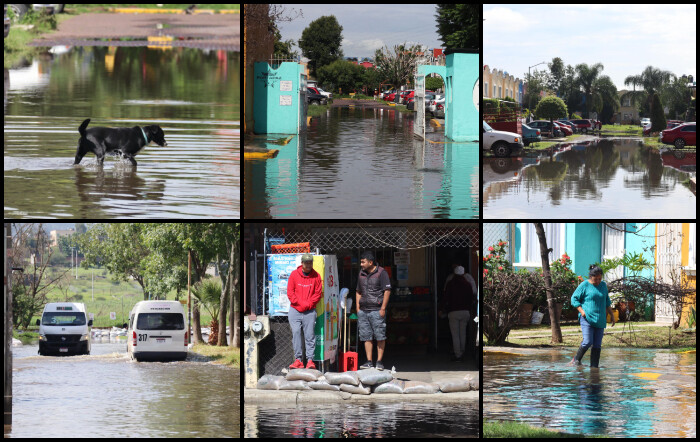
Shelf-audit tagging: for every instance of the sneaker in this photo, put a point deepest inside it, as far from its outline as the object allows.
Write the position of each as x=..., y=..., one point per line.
x=310, y=364
x=367, y=364
x=297, y=364
x=379, y=365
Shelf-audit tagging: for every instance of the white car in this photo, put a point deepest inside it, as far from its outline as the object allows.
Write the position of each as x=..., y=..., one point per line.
x=501, y=143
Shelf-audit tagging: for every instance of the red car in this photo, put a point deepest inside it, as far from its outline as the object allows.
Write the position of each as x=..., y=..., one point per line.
x=680, y=136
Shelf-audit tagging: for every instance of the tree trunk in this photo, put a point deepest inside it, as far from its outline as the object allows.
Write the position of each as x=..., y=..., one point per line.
x=544, y=254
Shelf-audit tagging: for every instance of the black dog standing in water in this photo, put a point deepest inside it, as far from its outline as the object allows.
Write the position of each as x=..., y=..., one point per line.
x=127, y=140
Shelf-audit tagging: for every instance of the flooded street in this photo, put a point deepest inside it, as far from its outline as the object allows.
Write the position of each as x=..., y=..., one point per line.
x=193, y=95
x=105, y=394
x=355, y=162
x=601, y=178
x=635, y=393
x=363, y=420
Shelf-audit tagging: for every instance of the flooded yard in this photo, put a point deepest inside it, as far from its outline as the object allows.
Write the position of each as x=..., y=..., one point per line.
x=363, y=163
x=605, y=177
x=635, y=393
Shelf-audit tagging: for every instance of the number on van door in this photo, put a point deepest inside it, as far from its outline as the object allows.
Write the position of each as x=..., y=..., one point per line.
x=143, y=337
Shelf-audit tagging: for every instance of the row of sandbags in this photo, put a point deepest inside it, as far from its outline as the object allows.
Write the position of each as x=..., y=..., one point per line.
x=361, y=382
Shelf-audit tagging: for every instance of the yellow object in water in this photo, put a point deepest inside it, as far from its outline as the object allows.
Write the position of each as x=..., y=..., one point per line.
x=502, y=353
x=260, y=155
x=648, y=376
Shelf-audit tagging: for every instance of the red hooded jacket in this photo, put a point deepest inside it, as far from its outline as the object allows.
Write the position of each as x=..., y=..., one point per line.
x=304, y=291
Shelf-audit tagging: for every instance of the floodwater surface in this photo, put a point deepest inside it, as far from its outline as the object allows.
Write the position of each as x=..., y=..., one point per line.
x=618, y=178
x=192, y=95
x=364, y=163
x=357, y=420
x=106, y=394
x=634, y=393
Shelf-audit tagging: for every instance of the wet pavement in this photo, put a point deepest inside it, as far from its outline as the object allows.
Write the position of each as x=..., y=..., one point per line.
x=634, y=393
x=598, y=177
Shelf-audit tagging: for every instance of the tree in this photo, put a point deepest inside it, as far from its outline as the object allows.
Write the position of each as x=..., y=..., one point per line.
x=551, y=108
x=458, y=25
x=320, y=42
x=397, y=68
x=544, y=254
x=658, y=119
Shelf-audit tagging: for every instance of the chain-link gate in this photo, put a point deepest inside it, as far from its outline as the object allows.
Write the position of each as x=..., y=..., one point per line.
x=419, y=106
x=348, y=239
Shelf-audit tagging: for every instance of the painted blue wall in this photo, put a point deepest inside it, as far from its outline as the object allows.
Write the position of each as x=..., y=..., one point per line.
x=583, y=245
x=277, y=111
x=462, y=115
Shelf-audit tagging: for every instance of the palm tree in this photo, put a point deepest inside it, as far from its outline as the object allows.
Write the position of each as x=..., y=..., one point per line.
x=586, y=77
x=651, y=80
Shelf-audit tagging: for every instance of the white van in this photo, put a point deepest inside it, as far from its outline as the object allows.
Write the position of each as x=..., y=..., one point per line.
x=156, y=331
x=64, y=329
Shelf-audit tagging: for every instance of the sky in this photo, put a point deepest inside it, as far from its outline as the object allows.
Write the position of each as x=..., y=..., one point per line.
x=624, y=38
x=368, y=27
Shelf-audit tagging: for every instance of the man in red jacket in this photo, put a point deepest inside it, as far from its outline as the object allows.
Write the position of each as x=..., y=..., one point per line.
x=304, y=289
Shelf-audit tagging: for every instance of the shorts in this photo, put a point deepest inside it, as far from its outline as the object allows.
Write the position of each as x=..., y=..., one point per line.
x=371, y=325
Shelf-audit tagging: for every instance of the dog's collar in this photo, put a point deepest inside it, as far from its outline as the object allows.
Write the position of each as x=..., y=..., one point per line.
x=144, y=134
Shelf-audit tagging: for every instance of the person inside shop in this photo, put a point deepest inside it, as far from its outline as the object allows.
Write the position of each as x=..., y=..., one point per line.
x=372, y=296
x=304, y=289
x=459, y=301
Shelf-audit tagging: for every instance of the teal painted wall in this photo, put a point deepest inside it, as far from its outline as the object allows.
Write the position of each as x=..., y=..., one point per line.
x=277, y=111
x=462, y=115
x=583, y=245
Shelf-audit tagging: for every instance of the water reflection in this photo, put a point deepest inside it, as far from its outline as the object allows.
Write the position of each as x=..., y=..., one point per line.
x=403, y=419
x=604, y=177
x=105, y=394
x=193, y=95
x=635, y=392
x=363, y=163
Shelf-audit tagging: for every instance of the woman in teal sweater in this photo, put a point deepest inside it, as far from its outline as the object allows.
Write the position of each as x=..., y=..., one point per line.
x=592, y=301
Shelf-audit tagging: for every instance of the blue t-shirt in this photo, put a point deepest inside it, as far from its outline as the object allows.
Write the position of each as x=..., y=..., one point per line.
x=594, y=300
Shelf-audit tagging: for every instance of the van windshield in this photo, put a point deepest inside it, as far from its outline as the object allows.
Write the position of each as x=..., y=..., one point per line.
x=63, y=318
x=160, y=321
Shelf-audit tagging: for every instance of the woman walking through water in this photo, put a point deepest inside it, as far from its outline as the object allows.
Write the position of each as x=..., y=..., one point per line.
x=592, y=301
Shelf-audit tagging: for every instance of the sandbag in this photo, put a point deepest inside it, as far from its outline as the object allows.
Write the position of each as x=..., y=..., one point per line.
x=455, y=385
x=356, y=389
x=394, y=386
x=349, y=377
x=303, y=374
x=474, y=383
x=373, y=376
x=322, y=384
x=295, y=385
x=412, y=387
x=270, y=382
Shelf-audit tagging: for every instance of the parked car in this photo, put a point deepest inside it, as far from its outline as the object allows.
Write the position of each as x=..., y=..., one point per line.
x=502, y=144
x=680, y=136
x=545, y=127
x=314, y=98
x=583, y=125
x=530, y=135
